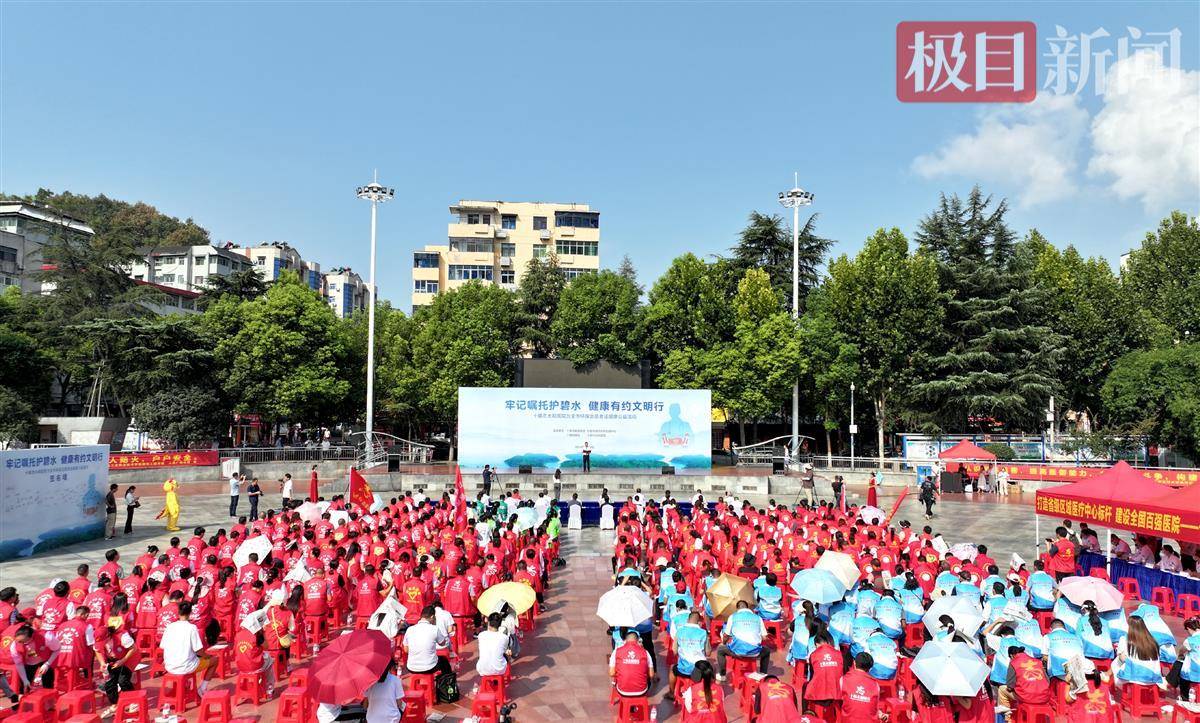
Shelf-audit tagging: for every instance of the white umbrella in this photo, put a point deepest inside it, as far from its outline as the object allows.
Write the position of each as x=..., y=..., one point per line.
x=260, y=545
x=949, y=668
x=309, y=512
x=338, y=516
x=841, y=565
x=966, y=615
x=625, y=606
x=964, y=551
x=526, y=518
x=871, y=515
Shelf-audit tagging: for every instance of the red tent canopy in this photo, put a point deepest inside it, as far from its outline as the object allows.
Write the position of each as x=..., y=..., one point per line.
x=966, y=449
x=1123, y=498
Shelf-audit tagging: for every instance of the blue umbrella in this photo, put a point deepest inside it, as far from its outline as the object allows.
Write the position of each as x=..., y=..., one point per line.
x=819, y=586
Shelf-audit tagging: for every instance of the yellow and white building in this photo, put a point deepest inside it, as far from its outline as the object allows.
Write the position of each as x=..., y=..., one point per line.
x=494, y=241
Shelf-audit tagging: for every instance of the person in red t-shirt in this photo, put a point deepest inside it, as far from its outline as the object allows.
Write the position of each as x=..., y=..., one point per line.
x=1027, y=681
x=826, y=664
x=629, y=666
x=860, y=692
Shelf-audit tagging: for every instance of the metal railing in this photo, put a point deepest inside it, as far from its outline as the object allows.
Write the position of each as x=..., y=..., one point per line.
x=384, y=446
x=262, y=455
x=767, y=451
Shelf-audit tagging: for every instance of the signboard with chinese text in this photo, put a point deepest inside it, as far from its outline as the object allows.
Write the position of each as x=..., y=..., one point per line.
x=153, y=460
x=51, y=497
x=547, y=428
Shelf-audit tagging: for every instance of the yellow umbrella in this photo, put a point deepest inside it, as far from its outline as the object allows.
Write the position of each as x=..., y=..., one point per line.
x=725, y=592
x=517, y=594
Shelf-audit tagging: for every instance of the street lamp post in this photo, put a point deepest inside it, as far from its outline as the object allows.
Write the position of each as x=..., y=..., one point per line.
x=376, y=194
x=794, y=199
x=853, y=426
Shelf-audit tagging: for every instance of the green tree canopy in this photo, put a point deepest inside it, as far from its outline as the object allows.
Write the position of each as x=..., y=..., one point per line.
x=766, y=243
x=1162, y=281
x=688, y=307
x=538, y=296
x=597, y=319
x=1157, y=393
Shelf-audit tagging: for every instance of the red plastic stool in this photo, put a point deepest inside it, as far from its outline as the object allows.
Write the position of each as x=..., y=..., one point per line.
x=1043, y=618
x=746, y=699
x=68, y=679
x=1164, y=599
x=1035, y=713
x=904, y=674
x=1129, y=586
x=714, y=632
x=914, y=635
x=178, y=690
x=423, y=682
x=1187, y=605
x=1099, y=573
x=82, y=718
x=633, y=709
x=897, y=710
x=682, y=682
x=133, y=706
x=24, y=718
x=216, y=707
x=494, y=684
x=1182, y=715
x=462, y=632
x=293, y=706
x=888, y=689
x=40, y=701
x=414, y=707
x=315, y=629
x=1140, y=700
x=250, y=687
x=774, y=632
x=738, y=667
x=75, y=703
x=299, y=678
x=485, y=708
x=223, y=656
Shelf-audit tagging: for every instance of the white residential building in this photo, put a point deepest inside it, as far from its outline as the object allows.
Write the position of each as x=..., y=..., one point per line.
x=189, y=268
x=345, y=292
x=24, y=230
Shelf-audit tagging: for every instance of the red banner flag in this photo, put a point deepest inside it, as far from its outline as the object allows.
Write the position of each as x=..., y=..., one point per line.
x=896, y=506
x=460, y=500
x=360, y=491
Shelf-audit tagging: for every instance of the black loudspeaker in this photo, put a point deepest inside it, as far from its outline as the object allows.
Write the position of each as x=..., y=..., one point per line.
x=951, y=482
x=777, y=466
x=525, y=469
x=668, y=469
x=393, y=463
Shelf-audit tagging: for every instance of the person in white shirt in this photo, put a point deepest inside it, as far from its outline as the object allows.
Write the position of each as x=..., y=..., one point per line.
x=385, y=699
x=445, y=624
x=542, y=506
x=1168, y=561
x=421, y=642
x=493, y=648
x=235, y=492
x=285, y=490
x=183, y=649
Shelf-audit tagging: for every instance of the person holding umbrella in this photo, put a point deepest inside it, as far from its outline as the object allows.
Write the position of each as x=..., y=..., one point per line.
x=385, y=699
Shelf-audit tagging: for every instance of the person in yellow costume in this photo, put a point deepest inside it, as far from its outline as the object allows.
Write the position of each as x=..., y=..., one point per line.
x=171, y=507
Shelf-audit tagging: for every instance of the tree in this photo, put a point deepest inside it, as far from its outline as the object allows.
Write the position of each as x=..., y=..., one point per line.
x=997, y=358
x=1162, y=281
x=241, y=285
x=1083, y=303
x=886, y=304
x=597, y=320
x=278, y=354
x=25, y=374
x=828, y=366
x=766, y=243
x=467, y=338
x=1157, y=393
x=626, y=270
x=538, y=295
x=688, y=307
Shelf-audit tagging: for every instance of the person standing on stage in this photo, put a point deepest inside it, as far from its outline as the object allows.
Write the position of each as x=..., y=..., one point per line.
x=587, y=457
x=487, y=479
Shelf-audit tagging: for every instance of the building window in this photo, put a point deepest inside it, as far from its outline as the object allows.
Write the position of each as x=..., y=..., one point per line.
x=508, y=221
x=508, y=249
x=541, y=251
x=570, y=247
x=425, y=260
x=424, y=286
x=466, y=272
x=471, y=244
x=199, y=281
x=475, y=219
x=569, y=274
x=167, y=278
x=577, y=219
x=188, y=304
x=201, y=259
x=222, y=261
x=8, y=254
x=260, y=261
x=508, y=276
x=539, y=223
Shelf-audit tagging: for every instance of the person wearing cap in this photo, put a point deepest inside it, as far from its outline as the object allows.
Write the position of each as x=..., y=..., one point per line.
x=808, y=485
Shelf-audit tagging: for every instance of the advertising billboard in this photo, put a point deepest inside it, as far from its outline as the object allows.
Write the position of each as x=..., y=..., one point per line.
x=625, y=429
x=51, y=497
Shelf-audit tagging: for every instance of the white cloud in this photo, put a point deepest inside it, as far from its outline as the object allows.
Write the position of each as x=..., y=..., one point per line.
x=1032, y=148
x=1146, y=138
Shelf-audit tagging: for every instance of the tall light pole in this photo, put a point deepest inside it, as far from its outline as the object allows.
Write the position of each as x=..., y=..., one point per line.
x=853, y=426
x=794, y=199
x=376, y=194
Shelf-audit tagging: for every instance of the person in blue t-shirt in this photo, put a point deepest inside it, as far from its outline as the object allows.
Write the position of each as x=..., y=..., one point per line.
x=1093, y=633
x=865, y=601
x=1062, y=644
x=770, y=598
x=884, y=654
x=1189, y=657
x=743, y=636
x=964, y=588
x=1000, y=637
x=944, y=583
x=678, y=615
x=913, y=600
x=860, y=630
x=890, y=614
x=1029, y=636
x=841, y=624
x=1042, y=588
x=691, y=646
x=993, y=606
x=801, y=644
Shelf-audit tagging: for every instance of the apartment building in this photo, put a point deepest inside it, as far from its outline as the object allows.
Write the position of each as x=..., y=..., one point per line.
x=272, y=258
x=187, y=268
x=345, y=292
x=24, y=229
x=494, y=241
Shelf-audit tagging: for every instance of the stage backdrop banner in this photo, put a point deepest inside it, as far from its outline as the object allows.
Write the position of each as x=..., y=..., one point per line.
x=51, y=497
x=547, y=428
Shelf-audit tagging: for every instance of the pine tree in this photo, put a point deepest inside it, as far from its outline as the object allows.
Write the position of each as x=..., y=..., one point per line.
x=997, y=357
x=766, y=243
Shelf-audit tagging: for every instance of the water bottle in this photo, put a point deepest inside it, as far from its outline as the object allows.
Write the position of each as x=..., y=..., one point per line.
x=474, y=690
x=654, y=713
x=315, y=649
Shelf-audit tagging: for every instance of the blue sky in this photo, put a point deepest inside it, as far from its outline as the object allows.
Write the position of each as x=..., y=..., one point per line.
x=674, y=120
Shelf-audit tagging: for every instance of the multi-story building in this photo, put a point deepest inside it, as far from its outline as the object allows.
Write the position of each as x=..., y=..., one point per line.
x=24, y=229
x=188, y=268
x=494, y=241
x=345, y=292
x=272, y=258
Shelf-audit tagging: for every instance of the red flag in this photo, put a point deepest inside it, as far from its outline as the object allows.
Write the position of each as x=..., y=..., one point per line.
x=460, y=500
x=360, y=491
x=896, y=507
x=842, y=499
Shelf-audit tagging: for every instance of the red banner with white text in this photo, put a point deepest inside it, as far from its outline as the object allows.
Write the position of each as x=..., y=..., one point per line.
x=154, y=460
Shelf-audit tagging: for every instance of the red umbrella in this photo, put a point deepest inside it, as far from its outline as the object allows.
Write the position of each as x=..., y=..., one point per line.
x=342, y=672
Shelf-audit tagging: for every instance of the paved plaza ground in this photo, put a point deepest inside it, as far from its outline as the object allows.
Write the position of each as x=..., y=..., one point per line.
x=562, y=672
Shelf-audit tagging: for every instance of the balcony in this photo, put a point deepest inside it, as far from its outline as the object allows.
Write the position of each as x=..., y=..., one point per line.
x=501, y=232
x=544, y=234
x=478, y=230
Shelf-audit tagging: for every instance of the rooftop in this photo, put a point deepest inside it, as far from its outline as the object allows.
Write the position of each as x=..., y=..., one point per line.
x=44, y=213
